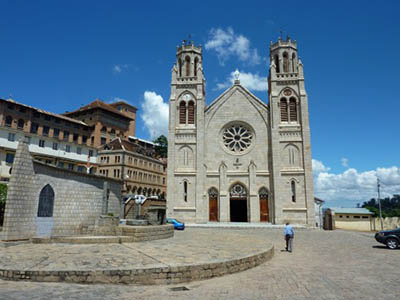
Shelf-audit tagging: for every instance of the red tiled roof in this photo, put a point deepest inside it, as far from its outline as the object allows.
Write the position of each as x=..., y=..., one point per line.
x=98, y=104
x=46, y=112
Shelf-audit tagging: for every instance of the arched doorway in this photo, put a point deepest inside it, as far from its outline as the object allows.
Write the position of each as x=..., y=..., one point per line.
x=264, y=209
x=213, y=204
x=238, y=203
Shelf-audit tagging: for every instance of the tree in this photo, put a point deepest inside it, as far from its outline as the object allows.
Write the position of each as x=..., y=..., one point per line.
x=3, y=197
x=161, y=146
x=390, y=206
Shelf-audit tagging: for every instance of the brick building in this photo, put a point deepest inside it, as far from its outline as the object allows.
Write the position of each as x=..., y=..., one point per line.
x=53, y=138
x=135, y=162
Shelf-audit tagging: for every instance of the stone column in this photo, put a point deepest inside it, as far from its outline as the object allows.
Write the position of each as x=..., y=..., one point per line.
x=106, y=195
x=223, y=205
x=254, y=203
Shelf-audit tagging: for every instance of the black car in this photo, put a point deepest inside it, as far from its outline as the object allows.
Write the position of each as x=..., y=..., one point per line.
x=391, y=238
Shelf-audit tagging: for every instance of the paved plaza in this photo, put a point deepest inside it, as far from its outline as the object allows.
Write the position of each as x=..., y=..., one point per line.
x=324, y=265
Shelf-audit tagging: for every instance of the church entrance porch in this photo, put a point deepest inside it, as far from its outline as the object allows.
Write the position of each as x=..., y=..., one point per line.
x=238, y=210
x=238, y=203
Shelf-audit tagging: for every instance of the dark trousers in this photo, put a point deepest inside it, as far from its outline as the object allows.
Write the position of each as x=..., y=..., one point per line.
x=289, y=242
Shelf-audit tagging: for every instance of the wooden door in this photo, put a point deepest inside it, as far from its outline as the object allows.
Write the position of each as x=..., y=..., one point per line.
x=264, y=211
x=213, y=208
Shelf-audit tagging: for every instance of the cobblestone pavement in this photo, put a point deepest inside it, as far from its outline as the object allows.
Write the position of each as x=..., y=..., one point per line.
x=324, y=265
x=193, y=246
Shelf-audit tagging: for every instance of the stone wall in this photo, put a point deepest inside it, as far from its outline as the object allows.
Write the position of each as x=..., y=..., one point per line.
x=388, y=223
x=79, y=199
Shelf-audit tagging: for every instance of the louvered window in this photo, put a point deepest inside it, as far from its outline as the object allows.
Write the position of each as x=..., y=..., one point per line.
x=182, y=113
x=191, y=113
x=284, y=111
x=293, y=110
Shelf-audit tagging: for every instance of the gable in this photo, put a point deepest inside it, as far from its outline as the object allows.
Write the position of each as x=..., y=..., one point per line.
x=233, y=97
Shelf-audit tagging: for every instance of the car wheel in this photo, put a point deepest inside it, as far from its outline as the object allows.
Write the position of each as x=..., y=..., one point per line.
x=392, y=243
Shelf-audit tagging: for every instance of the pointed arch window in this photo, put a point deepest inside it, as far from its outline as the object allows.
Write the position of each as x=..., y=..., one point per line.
x=180, y=67
x=191, y=110
x=196, y=62
x=182, y=113
x=276, y=60
x=284, y=110
x=187, y=63
x=293, y=110
x=46, y=202
x=294, y=69
x=285, y=64
x=293, y=190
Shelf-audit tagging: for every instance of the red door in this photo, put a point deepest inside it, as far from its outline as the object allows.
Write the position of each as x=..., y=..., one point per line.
x=264, y=211
x=213, y=208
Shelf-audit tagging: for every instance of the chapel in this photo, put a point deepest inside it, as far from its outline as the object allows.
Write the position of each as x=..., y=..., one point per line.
x=240, y=159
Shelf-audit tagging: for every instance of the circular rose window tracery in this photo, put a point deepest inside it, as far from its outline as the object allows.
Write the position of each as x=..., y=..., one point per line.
x=237, y=138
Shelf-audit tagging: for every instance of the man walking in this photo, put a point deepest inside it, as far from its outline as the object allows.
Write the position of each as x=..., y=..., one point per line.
x=289, y=235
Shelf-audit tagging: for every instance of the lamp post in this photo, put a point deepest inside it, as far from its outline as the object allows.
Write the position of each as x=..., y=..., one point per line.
x=379, y=203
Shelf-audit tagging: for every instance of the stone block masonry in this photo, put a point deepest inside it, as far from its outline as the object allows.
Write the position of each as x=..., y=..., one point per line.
x=73, y=201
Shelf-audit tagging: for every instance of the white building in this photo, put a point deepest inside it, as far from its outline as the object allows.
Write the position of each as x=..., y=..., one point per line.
x=240, y=159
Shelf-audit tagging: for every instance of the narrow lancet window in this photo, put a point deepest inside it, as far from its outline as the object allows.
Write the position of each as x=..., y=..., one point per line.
x=284, y=111
x=191, y=112
x=293, y=110
x=182, y=113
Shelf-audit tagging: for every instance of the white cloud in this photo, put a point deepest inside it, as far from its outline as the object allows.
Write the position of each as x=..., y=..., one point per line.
x=353, y=185
x=119, y=68
x=318, y=167
x=253, y=82
x=226, y=43
x=345, y=162
x=155, y=114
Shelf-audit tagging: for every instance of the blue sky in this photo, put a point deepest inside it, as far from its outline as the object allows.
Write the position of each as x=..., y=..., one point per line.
x=58, y=55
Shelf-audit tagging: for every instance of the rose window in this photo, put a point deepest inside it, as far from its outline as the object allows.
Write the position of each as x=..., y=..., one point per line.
x=237, y=138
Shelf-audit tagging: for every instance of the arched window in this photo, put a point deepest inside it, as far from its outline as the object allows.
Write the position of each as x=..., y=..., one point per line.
x=9, y=120
x=187, y=64
x=294, y=69
x=185, y=190
x=284, y=110
x=293, y=189
x=182, y=113
x=276, y=60
x=180, y=67
x=293, y=110
x=285, y=63
x=196, y=62
x=112, y=131
x=46, y=202
x=21, y=123
x=104, y=129
x=191, y=112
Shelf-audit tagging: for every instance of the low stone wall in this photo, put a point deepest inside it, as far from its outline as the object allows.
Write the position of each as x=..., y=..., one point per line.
x=162, y=275
x=147, y=233
x=388, y=223
x=117, y=234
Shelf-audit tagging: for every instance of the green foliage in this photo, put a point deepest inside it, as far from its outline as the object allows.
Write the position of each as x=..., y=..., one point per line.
x=110, y=214
x=162, y=146
x=390, y=206
x=3, y=197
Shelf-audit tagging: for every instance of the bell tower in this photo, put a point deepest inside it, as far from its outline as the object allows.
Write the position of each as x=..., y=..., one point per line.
x=290, y=135
x=186, y=130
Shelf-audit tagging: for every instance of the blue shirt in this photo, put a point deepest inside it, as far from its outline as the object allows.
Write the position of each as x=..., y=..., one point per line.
x=289, y=230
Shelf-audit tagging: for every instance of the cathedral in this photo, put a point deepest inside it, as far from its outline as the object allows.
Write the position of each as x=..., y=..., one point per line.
x=239, y=159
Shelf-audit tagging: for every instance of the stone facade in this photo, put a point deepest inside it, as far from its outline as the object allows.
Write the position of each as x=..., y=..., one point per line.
x=68, y=200
x=240, y=159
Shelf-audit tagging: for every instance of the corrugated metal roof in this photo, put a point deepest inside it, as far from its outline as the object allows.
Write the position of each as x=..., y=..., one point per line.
x=350, y=210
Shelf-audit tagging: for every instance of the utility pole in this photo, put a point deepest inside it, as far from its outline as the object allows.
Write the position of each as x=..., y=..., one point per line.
x=379, y=202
